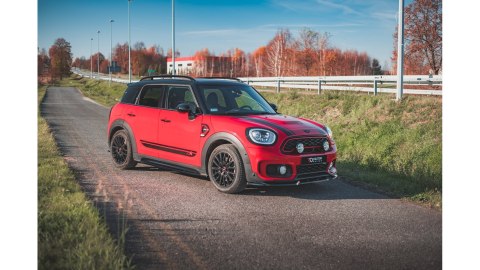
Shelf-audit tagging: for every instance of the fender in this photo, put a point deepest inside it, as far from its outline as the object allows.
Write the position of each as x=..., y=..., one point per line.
x=124, y=125
x=224, y=136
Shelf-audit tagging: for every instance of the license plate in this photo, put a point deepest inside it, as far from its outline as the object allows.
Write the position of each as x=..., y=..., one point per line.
x=314, y=160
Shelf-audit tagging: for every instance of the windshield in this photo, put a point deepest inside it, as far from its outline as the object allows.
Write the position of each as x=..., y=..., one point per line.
x=233, y=99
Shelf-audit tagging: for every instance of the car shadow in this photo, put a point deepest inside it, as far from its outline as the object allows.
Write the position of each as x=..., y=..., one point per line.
x=336, y=189
x=330, y=190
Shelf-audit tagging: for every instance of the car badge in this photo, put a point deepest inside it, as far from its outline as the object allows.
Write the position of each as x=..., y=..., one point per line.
x=300, y=148
x=306, y=130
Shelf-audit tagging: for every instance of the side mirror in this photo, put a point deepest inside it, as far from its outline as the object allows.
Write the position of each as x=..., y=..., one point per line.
x=183, y=107
x=187, y=107
x=274, y=107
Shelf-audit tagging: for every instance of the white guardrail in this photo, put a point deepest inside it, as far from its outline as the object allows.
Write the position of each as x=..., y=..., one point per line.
x=371, y=84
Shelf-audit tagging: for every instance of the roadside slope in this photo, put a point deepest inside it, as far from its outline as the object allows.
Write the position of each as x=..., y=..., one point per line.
x=71, y=233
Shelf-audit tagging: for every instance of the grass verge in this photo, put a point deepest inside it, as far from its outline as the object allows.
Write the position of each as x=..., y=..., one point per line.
x=394, y=148
x=71, y=234
x=382, y=144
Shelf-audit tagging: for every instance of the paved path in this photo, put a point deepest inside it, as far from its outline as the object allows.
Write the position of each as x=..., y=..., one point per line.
x=182, y=222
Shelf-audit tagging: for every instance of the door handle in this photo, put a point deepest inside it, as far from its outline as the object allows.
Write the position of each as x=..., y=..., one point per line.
x=131, y=114
x=166, y=120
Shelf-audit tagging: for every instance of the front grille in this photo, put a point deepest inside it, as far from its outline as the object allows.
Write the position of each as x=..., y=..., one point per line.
x=311, y=171
x=312, y=145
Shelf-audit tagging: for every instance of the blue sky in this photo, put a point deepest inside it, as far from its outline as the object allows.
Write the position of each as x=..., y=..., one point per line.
x=364, y=25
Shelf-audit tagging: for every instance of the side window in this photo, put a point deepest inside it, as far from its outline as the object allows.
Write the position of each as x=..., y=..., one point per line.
x=177, y=95
x=130, y=95
x=151, y=96
x=215, y=100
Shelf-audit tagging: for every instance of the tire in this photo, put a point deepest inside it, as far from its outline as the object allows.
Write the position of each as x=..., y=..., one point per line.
x=225, y=169
x=121, y=150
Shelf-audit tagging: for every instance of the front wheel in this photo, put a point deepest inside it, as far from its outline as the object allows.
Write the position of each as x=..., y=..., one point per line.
x=225, y=169
x=121, y=149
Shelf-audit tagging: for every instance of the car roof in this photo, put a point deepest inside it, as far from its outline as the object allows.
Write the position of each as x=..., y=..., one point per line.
x=187, y=80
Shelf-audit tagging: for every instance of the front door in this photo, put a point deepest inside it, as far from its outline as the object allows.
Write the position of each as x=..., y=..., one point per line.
x=179, y=132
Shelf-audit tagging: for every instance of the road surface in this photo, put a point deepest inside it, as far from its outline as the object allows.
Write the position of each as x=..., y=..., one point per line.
x=177, y=221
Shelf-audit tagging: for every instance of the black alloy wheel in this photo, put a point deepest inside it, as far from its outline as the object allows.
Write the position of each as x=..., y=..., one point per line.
x=121, y=150
x=225, y=169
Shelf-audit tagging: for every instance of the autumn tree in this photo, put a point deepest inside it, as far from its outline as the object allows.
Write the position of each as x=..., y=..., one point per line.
x=423, y=29
x=258, y=60
x=307, y=46
x=376, y=68
x=60, y=58
x=277, y=53
x=99, y=59
x=423, y=37
x=43, y=63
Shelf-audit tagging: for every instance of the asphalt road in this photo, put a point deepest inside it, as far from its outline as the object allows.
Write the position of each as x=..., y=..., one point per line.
x=177, y=221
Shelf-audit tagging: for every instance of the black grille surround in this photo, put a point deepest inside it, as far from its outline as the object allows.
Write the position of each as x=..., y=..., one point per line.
x=311, y=172
x=312, y=145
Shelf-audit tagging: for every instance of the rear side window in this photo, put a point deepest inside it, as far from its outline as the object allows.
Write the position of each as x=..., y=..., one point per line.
x=151, y=96
x=130, y=95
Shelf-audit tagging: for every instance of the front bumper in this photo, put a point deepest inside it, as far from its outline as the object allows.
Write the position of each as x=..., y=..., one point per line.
x=299, y=171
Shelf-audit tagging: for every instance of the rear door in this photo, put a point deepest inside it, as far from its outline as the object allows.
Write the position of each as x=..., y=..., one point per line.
x=143, y=118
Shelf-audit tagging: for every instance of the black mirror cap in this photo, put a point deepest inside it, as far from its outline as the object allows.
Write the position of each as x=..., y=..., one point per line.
x=183, y=107
x=274, y=106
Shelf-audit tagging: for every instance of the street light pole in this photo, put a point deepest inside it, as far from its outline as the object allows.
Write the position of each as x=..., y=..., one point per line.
x=91, y=59
x=129, y=55
x=400, y=51
x=111, y=37
x=173, y=37
x=98, y=54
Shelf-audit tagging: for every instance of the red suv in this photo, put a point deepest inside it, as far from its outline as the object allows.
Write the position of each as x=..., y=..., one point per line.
x=217, y=127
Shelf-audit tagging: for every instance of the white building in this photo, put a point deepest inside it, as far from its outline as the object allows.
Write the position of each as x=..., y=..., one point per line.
x=183, y=65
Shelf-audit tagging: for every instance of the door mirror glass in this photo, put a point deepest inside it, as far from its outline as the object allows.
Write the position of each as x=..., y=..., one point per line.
x=183, y=107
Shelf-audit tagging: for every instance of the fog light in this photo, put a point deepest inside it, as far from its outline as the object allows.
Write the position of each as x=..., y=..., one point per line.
x=282, y=169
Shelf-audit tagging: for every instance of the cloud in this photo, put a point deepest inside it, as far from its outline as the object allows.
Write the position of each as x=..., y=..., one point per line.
x=385, y=15
x=345, y=8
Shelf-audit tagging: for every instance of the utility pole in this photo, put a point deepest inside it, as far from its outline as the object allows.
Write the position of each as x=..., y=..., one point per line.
x=173, y=37
x=400, y=51
x=98, y=54
x=111, y=37
x=91, y=58
x=129, y=41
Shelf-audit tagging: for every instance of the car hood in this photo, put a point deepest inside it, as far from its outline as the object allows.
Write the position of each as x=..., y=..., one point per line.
x=289, y=125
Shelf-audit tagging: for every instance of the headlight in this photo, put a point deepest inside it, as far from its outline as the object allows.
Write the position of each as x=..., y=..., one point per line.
x=329, y=131
x=262, y=136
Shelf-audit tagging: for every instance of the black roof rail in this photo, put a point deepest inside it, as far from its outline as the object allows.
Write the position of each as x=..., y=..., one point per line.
x=167, y=76
x=225, y=78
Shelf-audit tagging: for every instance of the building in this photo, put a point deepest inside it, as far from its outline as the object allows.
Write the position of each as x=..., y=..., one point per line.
x=183, y=65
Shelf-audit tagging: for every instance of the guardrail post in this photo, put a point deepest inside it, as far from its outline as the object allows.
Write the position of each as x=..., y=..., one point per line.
x=278, y=86
x=319, y=86
x=375, y=88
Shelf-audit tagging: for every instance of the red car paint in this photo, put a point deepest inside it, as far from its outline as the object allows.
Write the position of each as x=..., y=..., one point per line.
x=184, y=140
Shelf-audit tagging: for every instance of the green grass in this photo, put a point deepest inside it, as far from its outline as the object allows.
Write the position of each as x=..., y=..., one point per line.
x=98, y=90
x=71, y=234
x=388, y=146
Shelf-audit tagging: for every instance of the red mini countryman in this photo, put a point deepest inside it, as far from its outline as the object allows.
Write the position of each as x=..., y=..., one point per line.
x=217, y=127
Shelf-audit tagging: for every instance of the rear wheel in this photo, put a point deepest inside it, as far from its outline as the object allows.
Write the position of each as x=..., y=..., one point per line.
x=121, y=149
x=225, y=169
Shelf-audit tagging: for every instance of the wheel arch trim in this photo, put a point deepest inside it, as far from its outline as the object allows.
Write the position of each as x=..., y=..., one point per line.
x=121, y=124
